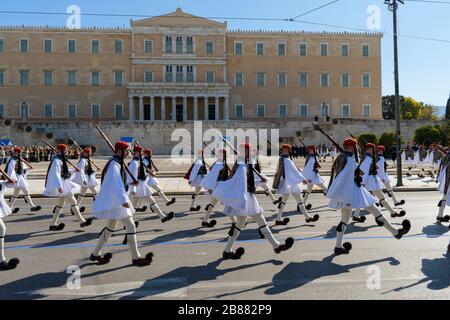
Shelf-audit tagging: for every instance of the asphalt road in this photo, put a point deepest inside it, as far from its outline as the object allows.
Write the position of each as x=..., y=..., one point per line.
x=187, y=262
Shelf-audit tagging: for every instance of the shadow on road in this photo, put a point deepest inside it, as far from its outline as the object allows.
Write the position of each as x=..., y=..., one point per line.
x=434, y=230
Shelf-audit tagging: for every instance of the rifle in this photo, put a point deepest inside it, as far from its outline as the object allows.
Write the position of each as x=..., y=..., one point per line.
x=317, y=127
x=114, y=150
x=81, y=150
x=6, y=176
x=56, y=152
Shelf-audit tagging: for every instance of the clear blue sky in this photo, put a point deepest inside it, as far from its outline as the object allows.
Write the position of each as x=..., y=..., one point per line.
x=424, y=65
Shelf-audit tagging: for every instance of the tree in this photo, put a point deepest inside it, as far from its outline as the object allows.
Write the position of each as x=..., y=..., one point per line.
x=410, y=109
x=367, y=137
x=427, y=113
x=427, y=135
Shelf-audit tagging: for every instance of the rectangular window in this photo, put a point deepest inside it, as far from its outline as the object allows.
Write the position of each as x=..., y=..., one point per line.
x=260, y=79
x=261, y=110
x=2, y=45
x=148, y=76
x=239, y=110
x=303, y=49
x=169, y=74
x=366, y=110
x=179, y=45
x=95, y=111
x=189, y=45
x=344, y=50
x=118, y=46
x=282, y=110
x=118, y=111
x=2, y=111
x=148, y=46
x=303, y=79
x=95, y=46
x=24, y=77
x=24, y=110
x=324, y=110
x=71, y=46
x=72, y=78
x=366, y=80
x=238, y=48
x=282, y=49
x=2, y=78
x=179, y=74
x=260, y=49
x=324, y=79
x=48, y=45
x=48, y=110
x=345, y=110
x=282, y=79
x=345, y=80
x=72, y=112
x=324, y=49
x=95, y=78
x=48, y=77
x=23, y=45
x=118, y=78
x=209, y=47
x=238, y=79
x=365, y=50
x=169, y=44
x=210, y=76
x=304, y=110
x=190, y=74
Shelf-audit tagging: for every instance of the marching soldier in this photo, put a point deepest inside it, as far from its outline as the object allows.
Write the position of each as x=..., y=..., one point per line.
x=58, y=184
x=263, y=183
x=436, y=157
x=17, y=170
x=114, y=205
x=311, y=173
x=408, y=159
x=443, y=187
x=85, y=177
x=196, y=173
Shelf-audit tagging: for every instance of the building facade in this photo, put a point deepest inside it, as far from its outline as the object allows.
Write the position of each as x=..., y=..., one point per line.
x=178, y=67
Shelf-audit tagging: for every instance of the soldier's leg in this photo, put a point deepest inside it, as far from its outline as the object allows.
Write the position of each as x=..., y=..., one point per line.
x=13, y=198
x=442, y=204
x=281, y=206
x=81, y=195
x=76, y=211
x=383, y=222
x=209, y=208
x=194, y=206
x=105, y=234
x=27, y=198
x=308, y=191
x=302, y=209
x=5, y=264
x=379, y=194
x=268, y=192
x=234, y=232
x=342, y=248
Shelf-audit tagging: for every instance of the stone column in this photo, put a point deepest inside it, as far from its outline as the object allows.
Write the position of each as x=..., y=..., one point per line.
x=185, y=107
x=216, y=103
x=226, y=111
x=131, y=108
x=163, y=108
x=195, y=108
x=206, y=113
x=152, y=108
x=174, y=108
x=141, y=108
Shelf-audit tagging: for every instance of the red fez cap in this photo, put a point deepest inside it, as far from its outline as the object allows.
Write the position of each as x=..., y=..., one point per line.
x=286, y=146
x=121, y=145
x=350, y=142
x=61, y=147
x=381, y=148
x=87, y=150
x=18, y=149
x=148, y=151
x=137, y=149
x=370, y=145
x=311, y=147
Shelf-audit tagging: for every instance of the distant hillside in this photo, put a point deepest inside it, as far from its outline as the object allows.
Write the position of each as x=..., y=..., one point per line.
x=440, y=111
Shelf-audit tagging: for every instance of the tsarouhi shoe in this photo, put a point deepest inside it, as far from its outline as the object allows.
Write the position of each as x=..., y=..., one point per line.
x=445, y=218
x=197, y=208
x=283, y=222
x=398, y=215
x=312, y=219
x=82, y=209
x=88, y=222
x=101, y=259
x=406, y=227
x=172, y=201
x=402, y=202
x=347, y=246
x=59, y=227
x=9, y=265
x=209, y=224
x=143, y=209
x=286, y=246
x=144, y=261
x=37, y=208
x=233, y=255
x=308, y=206
x=359, y=219
x=15, y=210
x=168, y=217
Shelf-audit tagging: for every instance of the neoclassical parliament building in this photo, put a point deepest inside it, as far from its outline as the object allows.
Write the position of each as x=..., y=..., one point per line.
x=179, y=67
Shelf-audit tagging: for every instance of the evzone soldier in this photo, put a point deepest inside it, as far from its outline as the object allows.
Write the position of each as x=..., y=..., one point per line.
x=114, y=205
x=196, y=173
x=443, y=187
x=286, y=181
x=311, y=173
x=333, y=153
x=141, y=192
x=238, y=196
x=58, y=184
x=383, y=175
x=263, y=183
x=323, y=152
x=85, y=177
x=5, y=211
x=151, y=174
x=435, y=159
x=372, y=182
x=422, y=160
x=408, y=159
x=219, y=172
x=17, y=169
x=346, y=193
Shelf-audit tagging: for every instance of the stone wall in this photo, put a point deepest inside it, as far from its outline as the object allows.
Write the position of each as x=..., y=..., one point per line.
x=158, y=134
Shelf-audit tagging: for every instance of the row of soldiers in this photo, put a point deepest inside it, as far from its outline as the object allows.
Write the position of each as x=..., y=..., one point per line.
x=425, y=159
